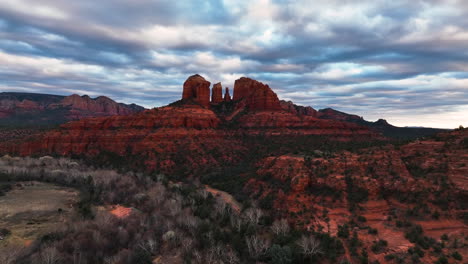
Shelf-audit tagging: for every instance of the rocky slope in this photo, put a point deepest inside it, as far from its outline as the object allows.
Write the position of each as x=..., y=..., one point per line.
x=381, y=193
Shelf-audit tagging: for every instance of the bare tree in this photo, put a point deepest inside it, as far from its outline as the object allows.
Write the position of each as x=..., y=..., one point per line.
x=197, y=257
x=187, y=245
x=149, y=245
x=280, y=227
x=231, y=257
x=253, y=215
x=309, y=245
x=257, y=246
x=111, y=260
x=236, y=222
x=9, y=254
x=220, y=207
x=50, y=255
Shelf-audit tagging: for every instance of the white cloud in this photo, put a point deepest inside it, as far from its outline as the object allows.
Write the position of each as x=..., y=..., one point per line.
x=34, y=8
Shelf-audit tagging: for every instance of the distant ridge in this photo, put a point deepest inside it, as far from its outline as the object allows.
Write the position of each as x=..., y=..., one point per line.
x=35, y=109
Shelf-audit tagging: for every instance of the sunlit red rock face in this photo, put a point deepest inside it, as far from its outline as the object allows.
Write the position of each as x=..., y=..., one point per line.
x=410, y=183
x=197, y=89
x=217, y=94
x=101, y=105
x=159, y=139
x=256, y=95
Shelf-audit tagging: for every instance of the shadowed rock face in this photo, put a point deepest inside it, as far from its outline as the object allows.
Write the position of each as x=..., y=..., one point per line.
x=227, y=96
x=217, y=94
x=197, y=89
x=257, y=95
x=298, y=109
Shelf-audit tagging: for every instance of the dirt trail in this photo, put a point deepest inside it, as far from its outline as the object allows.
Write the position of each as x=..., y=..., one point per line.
x=226, y=197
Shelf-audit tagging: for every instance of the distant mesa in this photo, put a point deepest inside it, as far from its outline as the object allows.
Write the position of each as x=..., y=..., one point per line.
x=31, y=109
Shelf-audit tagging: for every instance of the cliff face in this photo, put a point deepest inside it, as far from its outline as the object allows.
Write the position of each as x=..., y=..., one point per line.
x=217, y=94
x=101, y=106
x=197, y=89
x=256, y=95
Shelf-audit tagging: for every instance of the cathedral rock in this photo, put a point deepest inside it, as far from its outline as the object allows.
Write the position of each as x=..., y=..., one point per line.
x=197, y=89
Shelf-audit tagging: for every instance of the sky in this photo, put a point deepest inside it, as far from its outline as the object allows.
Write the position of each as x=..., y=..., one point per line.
x=404, y=61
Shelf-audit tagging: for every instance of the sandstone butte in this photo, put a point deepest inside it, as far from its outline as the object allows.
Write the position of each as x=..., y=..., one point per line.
x=197, y=89
x=192, y=124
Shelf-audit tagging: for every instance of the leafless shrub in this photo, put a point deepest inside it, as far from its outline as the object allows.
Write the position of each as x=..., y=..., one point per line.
x=231, y=257
x=149, y=245
x=309, y=245
x=280, y=227
x=50, y=255
x=221, y=207
x=187, y=245
x=257, y=246
x=253, y=215
x=111, y=260
x=236, y=222
x=9, y=254
x=203, y=193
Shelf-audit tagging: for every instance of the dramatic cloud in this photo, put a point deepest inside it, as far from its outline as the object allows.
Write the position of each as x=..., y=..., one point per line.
x=405, y=61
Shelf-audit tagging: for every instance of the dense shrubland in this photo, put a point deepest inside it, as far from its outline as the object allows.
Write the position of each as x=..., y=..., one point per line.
x=169, y=220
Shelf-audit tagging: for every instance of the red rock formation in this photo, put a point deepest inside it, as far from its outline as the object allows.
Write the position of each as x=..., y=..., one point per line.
x=298, y=109
x=217, y=94
x=197, y=89
x=100, y=106
x=146, y=132
x=399, y=181
x=256, y=95
x=329, y=113
x=58, y=109
x=227, y=96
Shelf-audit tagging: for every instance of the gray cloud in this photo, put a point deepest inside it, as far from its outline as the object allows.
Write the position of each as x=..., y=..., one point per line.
x=396, y=59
